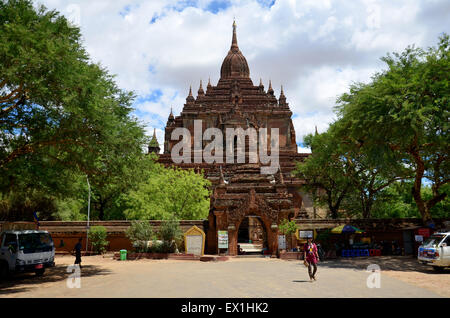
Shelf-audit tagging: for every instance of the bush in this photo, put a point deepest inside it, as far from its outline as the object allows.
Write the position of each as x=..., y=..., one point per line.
x=97, y=237
x=171, y=235
x=287, y=227
x=139, y=233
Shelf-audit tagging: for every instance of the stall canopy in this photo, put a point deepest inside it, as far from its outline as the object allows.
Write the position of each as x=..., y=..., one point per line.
x=346, y=229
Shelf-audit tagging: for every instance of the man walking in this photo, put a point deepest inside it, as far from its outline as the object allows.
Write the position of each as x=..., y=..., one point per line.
x=311, y=257
x=77, y=250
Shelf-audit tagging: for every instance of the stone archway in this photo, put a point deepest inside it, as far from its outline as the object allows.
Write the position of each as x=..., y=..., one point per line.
x=253, y=205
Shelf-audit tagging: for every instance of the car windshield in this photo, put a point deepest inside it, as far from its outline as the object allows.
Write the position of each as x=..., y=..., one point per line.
x=433, y=240
x=35, y=242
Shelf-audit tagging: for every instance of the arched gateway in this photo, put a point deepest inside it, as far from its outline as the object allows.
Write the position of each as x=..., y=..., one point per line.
x=240, y=189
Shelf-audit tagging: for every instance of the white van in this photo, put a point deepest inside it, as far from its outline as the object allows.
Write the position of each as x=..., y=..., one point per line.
x=26, y=251
x=435, y=251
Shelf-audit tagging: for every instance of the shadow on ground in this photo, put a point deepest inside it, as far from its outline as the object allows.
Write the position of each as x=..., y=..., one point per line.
x=391, y=263
x=17, y=283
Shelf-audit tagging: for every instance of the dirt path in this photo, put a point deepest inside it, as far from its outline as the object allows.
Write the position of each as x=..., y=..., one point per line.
x=254, y=278
x=406, y=269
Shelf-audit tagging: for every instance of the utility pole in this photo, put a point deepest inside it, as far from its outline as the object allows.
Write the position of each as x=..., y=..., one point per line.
x=89, y=210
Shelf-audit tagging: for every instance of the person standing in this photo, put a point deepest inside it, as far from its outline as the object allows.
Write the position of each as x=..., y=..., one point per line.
x=311, y=257
x=77, y=250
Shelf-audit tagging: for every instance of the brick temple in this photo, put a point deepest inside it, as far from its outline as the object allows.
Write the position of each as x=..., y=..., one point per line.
x=244, y=202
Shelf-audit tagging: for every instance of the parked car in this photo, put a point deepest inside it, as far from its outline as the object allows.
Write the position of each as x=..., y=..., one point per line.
x=435, y=251
x=26, y=251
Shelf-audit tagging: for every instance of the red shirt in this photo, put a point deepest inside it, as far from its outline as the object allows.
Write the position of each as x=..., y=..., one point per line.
x=311, y=251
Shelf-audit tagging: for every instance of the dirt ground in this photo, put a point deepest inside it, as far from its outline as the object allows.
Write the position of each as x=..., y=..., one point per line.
x=406, y=269
x=238, y=277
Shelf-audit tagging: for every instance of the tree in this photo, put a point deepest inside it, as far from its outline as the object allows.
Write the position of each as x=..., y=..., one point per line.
x=325, y=171
x=168, y=193
x=288, y=228
x=368, y=176
x=397, y=201
x=62, y=117
x=403, y=113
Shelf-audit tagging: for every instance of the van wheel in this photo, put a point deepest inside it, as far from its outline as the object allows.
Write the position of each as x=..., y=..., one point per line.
x=4, y=270
x=40, y=272
x=438, y=268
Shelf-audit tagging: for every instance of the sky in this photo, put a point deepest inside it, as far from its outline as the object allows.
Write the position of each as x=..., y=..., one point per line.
x=315, y=48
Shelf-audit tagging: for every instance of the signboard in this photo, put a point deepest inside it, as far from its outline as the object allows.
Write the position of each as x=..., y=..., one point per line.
x=281, y=242
x=223, y=239
x=305, y=234
x=194, y=241
x=418, y=238
x=425, y=232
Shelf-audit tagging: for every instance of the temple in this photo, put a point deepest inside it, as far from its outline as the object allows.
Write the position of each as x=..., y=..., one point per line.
x=244, y=202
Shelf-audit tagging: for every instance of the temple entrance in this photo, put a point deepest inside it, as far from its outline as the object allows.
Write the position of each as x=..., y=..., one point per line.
x=252, y=236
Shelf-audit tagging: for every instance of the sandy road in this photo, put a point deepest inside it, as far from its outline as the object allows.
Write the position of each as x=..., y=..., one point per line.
x=238, y=277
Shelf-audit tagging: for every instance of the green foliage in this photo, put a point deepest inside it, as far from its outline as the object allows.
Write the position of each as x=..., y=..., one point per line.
x=21, y=206
x=139, y=233
x=324, y=239
x=326, y=171
x=402, y=114
x=393, y=128
x=396, y=201
x=171, y=235
x=70, y=209
x=97, y=237
x=287, y=227
x=62, y=117
x=169, y=193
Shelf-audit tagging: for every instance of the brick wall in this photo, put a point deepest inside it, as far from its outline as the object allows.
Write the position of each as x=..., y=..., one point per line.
x=65, y=234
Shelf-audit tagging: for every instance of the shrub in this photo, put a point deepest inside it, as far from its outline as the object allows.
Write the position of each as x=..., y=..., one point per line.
x=97, y=237
x=139, y=233
x=287, y=227
x=170, y=233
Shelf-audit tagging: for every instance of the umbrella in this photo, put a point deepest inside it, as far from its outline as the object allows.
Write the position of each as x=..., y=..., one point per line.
x=346, y=229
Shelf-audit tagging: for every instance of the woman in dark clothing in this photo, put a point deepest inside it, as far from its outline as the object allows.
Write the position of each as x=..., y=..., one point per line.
x=77, y=250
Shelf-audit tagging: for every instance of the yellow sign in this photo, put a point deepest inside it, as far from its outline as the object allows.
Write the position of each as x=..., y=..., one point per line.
x=194, y=241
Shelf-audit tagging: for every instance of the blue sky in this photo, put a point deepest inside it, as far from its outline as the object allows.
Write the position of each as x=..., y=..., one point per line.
x=314, y=48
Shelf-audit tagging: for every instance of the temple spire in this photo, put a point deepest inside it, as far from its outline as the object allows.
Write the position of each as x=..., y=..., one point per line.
x=270, y=89
x=190, y=98
x=282, y=99
x=171, y=117
x=234, y=45
x=153, y=146
x=201, y=92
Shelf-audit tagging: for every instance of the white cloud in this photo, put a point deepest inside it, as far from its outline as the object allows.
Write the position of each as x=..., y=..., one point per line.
x=315, y=49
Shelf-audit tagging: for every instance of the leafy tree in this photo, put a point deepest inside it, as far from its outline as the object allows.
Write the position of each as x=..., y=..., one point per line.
x=367, y=175
x=403, y=113
x=397, y=201
x=325, y=172
x=288, y=228
x=168, y=193
x=61, y=116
